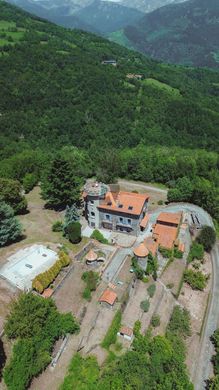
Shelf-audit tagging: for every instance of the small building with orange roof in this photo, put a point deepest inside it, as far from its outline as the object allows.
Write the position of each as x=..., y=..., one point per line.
x=108, y=297
x=115, y=210
x=141, y=253
x=166, y=229
x=91, y=257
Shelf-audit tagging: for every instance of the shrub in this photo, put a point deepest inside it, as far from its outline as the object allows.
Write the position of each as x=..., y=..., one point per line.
x=137, y=328
x=177, y=253
x=196, y=252
x=91, y=279
x=145, y=305
x=139, y=272
x=196, y=279
x=167, y=253
x=43, y=280
x=170, y=285
x=111, y=335
x=29, y=182
x=57, y=226
x=207, y=238
x=160, y=202
x=151, y=290
x=180, y=322
x=73, y=232
x=155, y=320
x=97, y=235
x=152, y=266
x=87, y=294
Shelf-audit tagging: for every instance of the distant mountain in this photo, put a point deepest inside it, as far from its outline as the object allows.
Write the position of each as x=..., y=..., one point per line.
x=148, y=5
x=95, y=16
x=108, y=16
x=184, y=33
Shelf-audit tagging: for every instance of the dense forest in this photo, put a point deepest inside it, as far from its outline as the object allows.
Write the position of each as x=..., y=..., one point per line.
x=57, y=97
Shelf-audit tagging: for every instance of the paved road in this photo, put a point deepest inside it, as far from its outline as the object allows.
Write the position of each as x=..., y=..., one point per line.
x=116, y=264
x=204, y=366
x=133, y=184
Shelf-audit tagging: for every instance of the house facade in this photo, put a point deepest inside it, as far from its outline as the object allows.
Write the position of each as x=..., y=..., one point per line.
x=117, y=211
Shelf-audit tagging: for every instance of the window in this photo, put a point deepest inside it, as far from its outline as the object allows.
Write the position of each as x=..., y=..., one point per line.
x=121, y=219
x=130, y=207
x=107, y=216
x=129, y=221
x=92, y=214
x=120, y=206
x=92, y=202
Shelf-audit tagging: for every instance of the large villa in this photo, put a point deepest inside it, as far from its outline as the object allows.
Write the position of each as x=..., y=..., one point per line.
x=115, y=210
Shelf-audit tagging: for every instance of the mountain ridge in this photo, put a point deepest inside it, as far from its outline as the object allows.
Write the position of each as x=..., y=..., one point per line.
x=185, y=33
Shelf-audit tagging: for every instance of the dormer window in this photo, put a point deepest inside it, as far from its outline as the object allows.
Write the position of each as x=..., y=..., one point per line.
x=120, y=206
x=109, y=204
x=130, y=207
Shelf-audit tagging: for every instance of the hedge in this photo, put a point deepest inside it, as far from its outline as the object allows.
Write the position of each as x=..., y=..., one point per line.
x=43, y=280
x=111, y=334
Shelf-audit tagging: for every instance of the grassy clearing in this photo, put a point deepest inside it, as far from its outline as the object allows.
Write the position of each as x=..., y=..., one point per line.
x=82, y=374
x=4, y=24
x=120, y=38
x=162, y=86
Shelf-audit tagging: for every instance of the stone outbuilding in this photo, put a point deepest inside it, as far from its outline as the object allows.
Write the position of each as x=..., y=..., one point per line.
x=91, y=257
x=141, y=253
x=108, y=298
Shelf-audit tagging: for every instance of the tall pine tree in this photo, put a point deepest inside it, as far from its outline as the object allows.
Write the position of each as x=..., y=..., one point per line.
x=61, y=187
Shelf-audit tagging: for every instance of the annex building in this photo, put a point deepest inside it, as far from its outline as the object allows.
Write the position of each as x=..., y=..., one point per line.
x=115, y=210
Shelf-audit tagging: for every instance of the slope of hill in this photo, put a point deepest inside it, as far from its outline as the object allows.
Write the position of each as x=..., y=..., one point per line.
x=55, y=91
x=184, y=33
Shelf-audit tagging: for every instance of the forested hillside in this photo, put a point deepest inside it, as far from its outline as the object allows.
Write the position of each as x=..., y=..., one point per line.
x=184, y=33
x=55, y=92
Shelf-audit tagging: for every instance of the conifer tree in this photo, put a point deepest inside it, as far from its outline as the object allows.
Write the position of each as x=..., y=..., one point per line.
x=10, y=227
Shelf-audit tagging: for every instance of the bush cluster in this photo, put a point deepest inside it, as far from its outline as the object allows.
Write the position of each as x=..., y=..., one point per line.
x=196, y=252
x=44, y=279
x=196, y=279
x=97, y=235
x=91, y=279
x=34, y=324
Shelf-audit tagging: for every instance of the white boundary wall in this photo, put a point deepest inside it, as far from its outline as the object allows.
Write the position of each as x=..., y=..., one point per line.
x=23, y=266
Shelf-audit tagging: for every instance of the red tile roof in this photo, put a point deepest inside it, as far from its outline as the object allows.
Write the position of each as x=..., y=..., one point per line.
x=165, y=235
x=173, y=218
x=145, y=221
x=141, y=251
x=126, y=331
x=124, y=202
x=47, y=293
x=91, y=255
x=151, y=245
x=109, y=297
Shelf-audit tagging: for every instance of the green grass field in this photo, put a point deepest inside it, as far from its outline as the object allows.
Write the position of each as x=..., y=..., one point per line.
x=7, y=35
x=4, y=25
x=162, y=86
